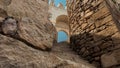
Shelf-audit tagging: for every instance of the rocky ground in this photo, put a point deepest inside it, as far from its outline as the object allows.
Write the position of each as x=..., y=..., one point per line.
x=16, y=54
x=64, y=51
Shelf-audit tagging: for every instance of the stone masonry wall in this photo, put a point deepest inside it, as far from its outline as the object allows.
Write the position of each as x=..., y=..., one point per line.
x=92, y=29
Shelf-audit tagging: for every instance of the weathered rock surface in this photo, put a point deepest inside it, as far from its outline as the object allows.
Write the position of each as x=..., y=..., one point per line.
x=32, y=16
x=94, y=28
x=9, y=26
x=111, y=59
x=16, y=54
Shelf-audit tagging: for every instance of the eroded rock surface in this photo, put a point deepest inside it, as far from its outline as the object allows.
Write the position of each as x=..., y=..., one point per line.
x=9, y=26
x=32, y=17
x=94, y=29
x=16, y=54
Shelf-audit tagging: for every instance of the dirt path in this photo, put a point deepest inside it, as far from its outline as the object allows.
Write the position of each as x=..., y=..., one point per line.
x=63, y=51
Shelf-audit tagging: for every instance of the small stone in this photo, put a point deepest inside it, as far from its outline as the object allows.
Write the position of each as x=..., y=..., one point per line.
x=108, y=60
x=9, y=26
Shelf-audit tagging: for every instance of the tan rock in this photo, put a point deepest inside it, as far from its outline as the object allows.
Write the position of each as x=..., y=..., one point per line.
x=32, y=16
x=111, y=59
x=101, y=13
x=106, y=45
x=1, y=20
x=16, y=54
x=116, y=38
x=9, y=26
x=83, y=26
x=108, y=60
x=106, y=32
x=85, y=1
x=103, y=21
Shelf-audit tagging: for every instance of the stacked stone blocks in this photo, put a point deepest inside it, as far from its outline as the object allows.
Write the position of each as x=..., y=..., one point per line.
x=92, y=29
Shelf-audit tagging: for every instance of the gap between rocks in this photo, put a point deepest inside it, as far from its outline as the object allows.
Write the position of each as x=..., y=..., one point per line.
x=26, y=42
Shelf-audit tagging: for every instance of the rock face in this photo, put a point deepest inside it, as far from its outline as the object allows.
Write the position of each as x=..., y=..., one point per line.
x=16, y=54
x=111, y=59
x=33, y=24
x=108, y=61
x=9, y=26
x=94, y=28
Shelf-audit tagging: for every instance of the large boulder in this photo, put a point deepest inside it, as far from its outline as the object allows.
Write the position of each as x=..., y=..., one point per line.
x=33, y=24
x=16, y=54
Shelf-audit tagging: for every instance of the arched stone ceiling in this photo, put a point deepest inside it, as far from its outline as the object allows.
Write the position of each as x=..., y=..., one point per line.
x=62, y=18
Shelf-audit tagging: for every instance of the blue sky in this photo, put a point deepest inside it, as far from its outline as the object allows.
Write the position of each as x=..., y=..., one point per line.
x=62, y=36
x=60, y=1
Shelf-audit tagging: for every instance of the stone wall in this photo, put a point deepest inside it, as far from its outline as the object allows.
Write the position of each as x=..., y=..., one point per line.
x=92, y=29
x=56, y=11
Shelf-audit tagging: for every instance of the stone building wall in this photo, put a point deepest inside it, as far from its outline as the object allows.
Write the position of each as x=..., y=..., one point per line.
x=58, y=17
x=92, y=29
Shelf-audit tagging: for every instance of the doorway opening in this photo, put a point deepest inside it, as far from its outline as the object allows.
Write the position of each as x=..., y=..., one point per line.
x=62, y=36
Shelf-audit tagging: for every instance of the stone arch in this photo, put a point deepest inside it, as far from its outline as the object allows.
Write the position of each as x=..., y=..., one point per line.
x=64, y=31
x=55, y=12
x=62, y=24
x=62, y=18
